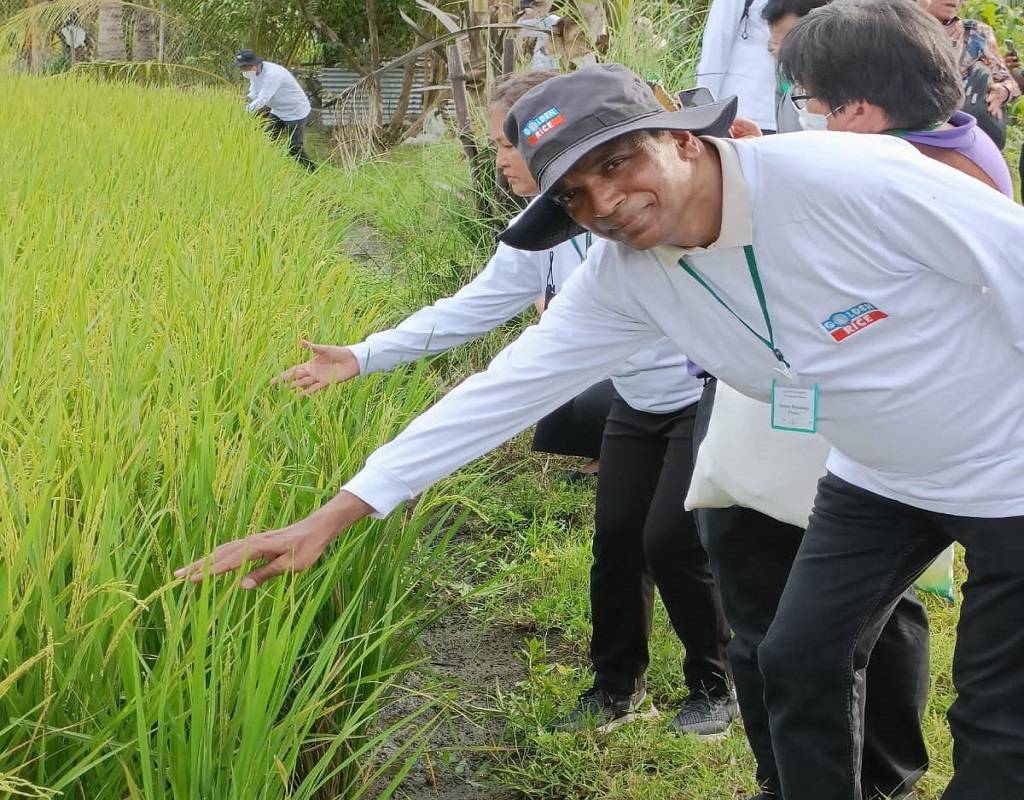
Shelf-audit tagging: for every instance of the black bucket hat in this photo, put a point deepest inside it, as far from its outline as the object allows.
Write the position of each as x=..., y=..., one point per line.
x=559, y=121
x=247, y=58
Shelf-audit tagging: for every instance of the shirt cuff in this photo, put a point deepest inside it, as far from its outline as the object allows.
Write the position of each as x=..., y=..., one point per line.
x=361, y=352
x=379, y=490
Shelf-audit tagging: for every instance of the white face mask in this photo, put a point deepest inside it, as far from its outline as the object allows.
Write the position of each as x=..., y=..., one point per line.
x=250, y=75
x=810, y=121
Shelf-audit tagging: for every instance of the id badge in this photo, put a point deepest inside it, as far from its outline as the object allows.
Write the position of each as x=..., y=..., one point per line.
x=794, y=408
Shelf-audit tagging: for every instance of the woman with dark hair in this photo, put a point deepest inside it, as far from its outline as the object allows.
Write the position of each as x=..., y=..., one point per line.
x=894, y=74
x=839, y=61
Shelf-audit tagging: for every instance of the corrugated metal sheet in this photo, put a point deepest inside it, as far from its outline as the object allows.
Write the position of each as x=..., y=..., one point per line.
x=354, y=108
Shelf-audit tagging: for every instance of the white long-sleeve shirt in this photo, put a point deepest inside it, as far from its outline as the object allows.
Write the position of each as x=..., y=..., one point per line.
x=734, y=59
x=275, y=87
x=894, y=283
x=653, y=380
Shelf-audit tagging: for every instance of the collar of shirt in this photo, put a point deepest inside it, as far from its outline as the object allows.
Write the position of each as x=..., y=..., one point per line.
x=737, y=223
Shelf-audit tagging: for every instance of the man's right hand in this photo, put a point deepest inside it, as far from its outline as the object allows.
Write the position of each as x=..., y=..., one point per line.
x=330, y=364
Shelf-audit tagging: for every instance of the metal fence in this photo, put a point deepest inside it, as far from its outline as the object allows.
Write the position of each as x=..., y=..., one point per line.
x=354, y=107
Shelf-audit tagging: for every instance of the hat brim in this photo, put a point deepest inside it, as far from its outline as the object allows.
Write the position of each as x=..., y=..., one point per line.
x=545, y=224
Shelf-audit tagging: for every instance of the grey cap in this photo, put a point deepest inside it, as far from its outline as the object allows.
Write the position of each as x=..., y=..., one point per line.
x=247, y=58
x=559, y=121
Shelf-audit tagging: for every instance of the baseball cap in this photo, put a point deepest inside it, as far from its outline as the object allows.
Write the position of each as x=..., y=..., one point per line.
x=559, y=121
x=247, y=58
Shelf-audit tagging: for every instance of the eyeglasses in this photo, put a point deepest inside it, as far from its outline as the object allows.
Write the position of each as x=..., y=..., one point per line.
x=800, y=100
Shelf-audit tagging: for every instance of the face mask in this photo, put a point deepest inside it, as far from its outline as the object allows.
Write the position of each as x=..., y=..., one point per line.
x=250, y=75
x=810, y=121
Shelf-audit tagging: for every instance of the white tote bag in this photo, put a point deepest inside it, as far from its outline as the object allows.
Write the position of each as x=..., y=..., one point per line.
x=743, y=461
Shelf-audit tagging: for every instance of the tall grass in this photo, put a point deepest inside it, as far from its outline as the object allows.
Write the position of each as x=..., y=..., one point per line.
x=158, y=262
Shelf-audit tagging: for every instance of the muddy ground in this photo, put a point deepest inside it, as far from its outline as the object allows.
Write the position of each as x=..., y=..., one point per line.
x=467, y=662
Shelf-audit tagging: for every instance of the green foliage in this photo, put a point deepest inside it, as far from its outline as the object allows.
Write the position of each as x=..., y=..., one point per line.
x=159, y=260
x=1004, y=16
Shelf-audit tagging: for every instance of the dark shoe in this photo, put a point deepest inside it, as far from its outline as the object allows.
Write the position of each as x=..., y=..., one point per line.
x=706, y=716
x=574, y=476
x=601, y=711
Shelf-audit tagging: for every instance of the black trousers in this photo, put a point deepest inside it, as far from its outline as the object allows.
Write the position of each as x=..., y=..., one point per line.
x=751, y=557
x=643, y=538
x=295, y=130
x=859, y=554
x=576, y=428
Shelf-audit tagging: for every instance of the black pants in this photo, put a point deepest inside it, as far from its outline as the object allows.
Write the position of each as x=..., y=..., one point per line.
x=643, y=538
x=858, y=556
x=751, y=557
x=576, y=428
x=295, y=130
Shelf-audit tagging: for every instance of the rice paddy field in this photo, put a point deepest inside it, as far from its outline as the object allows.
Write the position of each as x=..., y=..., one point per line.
x=159, y=261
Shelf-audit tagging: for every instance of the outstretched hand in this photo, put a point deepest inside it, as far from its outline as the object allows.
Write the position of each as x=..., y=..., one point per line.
x=291, y=549
x=330, y=364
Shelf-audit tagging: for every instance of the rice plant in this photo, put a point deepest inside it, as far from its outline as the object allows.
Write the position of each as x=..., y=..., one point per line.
x=159, y=260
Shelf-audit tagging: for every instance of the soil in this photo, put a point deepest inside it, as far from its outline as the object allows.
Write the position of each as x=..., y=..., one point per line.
x=468, y=661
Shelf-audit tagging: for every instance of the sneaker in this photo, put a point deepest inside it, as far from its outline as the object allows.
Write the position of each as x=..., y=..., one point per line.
x=601, y=711
x=707, y=716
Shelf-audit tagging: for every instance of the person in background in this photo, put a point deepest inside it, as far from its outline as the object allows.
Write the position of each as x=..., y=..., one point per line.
x=781, y=16
x=643, y=537
x=734, y=59
x=863, y=100
x=988, y=82
x=274, y=88
x=850, y=60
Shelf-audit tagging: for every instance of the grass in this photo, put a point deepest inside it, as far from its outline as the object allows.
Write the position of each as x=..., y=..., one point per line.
x=159, y=262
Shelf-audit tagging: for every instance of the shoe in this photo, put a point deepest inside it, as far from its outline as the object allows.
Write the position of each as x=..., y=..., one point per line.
x=706, y=716
x=599, y=710
x=575, y=476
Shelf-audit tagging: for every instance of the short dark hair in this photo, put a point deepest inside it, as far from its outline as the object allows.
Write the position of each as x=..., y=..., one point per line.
x=508, y=90
x=774, y=10
x=889, y=53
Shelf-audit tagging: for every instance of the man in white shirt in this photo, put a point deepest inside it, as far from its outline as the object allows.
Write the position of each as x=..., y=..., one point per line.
x=274, y=88
x=734, y=59
x=862, y=290
x=643, y=538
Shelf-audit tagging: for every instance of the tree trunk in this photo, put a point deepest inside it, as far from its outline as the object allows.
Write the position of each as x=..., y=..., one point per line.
x=37, y=45
x=146, y=36
x=110, y=43
x=397, y=123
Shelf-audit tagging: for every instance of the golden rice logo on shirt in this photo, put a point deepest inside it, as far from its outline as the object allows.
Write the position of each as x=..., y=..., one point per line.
x=541, y=125
x=843, y=324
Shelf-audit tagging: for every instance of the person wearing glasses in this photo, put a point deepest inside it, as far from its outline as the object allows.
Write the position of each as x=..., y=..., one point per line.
x=835, y=71
x=989, y=86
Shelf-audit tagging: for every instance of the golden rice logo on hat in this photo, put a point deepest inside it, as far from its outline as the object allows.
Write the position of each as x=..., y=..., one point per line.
x=541, y=125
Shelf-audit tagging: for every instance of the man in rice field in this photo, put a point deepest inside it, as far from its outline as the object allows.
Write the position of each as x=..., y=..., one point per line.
x=643, y=538
x=855, y=285
x=273, y=90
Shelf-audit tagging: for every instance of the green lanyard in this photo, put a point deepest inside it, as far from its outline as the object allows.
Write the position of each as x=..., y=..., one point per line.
x=768, y=341
x=582, y=253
